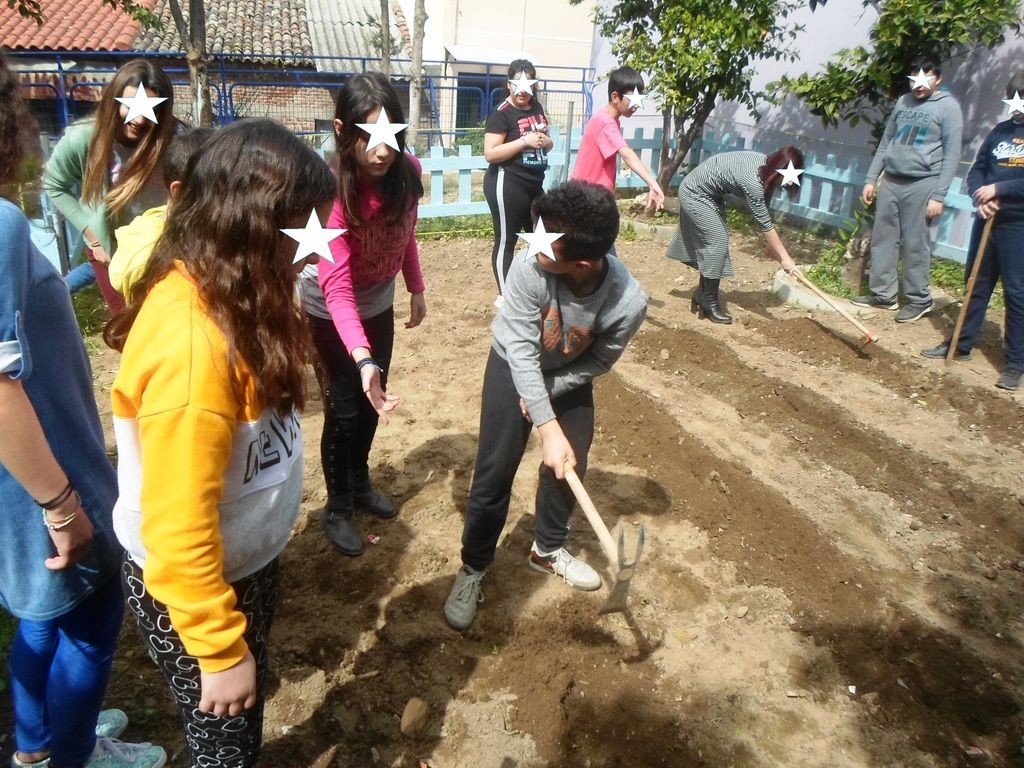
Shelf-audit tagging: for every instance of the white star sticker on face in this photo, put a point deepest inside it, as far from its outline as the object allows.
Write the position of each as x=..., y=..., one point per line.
x=540, y=240
x=141, y=105
x=921, y=80
x=383, y=131
x=790, y=174
x=635, y=99
x=313, y=238
x=1016, y=104
x=522, y=84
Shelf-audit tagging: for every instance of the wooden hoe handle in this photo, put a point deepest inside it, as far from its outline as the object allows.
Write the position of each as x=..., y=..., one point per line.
x=607, y=542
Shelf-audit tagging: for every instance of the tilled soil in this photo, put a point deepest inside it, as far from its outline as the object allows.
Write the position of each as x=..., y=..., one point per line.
x=833, y=572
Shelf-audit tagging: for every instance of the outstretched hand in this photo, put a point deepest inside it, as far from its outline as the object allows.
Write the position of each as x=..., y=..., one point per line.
x=383, y=402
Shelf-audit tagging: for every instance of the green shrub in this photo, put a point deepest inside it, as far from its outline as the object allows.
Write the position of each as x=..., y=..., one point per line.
x=827, y=271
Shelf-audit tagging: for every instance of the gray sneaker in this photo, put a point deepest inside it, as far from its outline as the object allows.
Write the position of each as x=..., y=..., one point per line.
x=912, y=312
x=460, y=607
x=572, y=570
x=875, y=302
x=941, y=351
x=1010, y=379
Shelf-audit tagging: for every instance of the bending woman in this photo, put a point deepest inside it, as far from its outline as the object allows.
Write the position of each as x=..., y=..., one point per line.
x=702, y=240
x=105, y=172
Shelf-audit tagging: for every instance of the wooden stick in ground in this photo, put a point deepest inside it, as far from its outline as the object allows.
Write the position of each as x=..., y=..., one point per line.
x=869, y=334
x=607, y=542
x=978, y=256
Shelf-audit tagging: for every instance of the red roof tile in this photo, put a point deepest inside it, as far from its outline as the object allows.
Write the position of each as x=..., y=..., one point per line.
x=71, y=25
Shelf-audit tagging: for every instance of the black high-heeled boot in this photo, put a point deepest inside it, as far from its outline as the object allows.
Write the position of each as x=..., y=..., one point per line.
x=710, y=304
x=698, y=296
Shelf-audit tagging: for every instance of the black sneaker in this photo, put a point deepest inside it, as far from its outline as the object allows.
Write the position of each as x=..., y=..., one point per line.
x=875, y=302
x=941, y=352
x=912, y=312
x=1010, y=379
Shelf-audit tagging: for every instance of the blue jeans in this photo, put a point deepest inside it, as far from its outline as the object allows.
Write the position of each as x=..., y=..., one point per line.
x=80, y=277
x=59, y=673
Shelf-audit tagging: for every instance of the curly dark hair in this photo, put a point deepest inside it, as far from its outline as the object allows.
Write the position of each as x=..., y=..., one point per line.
x=587, y=215
x=17, y=127
x=247, y=182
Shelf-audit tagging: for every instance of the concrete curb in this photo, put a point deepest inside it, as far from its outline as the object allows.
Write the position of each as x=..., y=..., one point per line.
x=792, y=292
x=661, y=233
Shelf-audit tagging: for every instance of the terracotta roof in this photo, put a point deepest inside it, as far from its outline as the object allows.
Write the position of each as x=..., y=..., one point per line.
x=250, y=30
x=71, y=25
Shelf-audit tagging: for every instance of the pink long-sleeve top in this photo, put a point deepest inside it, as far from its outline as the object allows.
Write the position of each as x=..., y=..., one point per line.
x=364, y=258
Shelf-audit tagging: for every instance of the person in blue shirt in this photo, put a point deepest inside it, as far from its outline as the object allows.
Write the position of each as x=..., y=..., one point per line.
x=996, y=183
x=59, y=559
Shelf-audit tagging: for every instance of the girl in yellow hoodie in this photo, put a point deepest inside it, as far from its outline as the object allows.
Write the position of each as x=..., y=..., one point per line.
x=206, y=410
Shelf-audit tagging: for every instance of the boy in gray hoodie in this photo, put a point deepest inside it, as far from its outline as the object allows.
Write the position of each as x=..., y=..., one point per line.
x=569, y=311
x=919, y=153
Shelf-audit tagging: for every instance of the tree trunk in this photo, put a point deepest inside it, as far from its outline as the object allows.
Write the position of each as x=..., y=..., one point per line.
x=385, y=37
x=198, y=69
x=199, y=63
x=684, y=140
x=419, y=21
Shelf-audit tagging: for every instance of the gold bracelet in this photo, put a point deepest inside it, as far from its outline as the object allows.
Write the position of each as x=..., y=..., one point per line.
x=56, y=525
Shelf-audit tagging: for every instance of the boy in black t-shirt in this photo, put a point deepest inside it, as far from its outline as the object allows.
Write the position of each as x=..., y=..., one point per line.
x=516, y=145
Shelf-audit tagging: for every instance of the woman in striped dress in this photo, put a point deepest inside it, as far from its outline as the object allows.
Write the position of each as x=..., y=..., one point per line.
x=702, y=240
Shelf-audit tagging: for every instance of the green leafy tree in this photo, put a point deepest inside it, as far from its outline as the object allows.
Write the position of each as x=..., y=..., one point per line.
x=862, y=83
x=697, y=52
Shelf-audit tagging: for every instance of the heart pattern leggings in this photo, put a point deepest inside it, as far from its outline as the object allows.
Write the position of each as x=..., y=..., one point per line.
x=213, y=742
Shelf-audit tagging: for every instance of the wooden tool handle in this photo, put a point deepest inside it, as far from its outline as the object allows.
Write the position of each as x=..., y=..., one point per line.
x=828, y=300
x=607, y=542
x=978, y=256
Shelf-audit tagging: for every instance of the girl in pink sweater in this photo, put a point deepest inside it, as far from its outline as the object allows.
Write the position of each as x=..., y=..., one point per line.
x=349, y=303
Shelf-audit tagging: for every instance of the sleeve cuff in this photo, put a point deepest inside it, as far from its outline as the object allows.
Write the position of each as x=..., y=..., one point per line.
x=225, y=659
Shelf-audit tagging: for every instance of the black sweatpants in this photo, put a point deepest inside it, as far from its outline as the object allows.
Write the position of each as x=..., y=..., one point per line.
x=213, y=742
x=350, y=422
x=509, y=196
x=503, y=436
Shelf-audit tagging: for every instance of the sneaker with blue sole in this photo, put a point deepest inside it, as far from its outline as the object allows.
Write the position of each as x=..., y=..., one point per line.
x=109, y=725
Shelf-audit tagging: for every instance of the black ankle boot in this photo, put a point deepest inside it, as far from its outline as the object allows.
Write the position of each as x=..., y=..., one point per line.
x=710, y=306
x=340, y=526
x=370, y=499
x=698, y=296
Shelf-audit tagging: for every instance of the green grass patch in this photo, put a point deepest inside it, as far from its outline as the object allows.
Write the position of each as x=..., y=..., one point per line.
x=827, y=271
x=628, y=232
x=90, y=310
x=449, y=227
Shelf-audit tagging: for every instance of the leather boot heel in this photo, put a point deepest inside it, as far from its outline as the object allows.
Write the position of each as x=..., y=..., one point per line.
x=711, y=303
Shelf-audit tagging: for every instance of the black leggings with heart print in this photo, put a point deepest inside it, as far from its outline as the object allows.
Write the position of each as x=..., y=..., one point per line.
x=213, y=742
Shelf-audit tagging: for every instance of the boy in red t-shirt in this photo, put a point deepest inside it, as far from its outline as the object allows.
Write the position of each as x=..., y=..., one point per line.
x=602, y=143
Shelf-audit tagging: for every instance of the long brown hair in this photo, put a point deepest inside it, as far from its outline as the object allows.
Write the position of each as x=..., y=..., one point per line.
x=247, y=182
x=400, y=187
x=769, y=174
x=145, y=157
x=17, y=140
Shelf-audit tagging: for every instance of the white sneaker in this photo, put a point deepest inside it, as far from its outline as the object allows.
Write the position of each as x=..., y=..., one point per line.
x=111, y=753
x=561, y=563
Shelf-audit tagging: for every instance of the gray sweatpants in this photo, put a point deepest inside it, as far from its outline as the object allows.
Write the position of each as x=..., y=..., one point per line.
x=901, y=226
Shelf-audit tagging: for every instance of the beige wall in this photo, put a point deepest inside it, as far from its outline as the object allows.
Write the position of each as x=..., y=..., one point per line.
x=552, y=32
